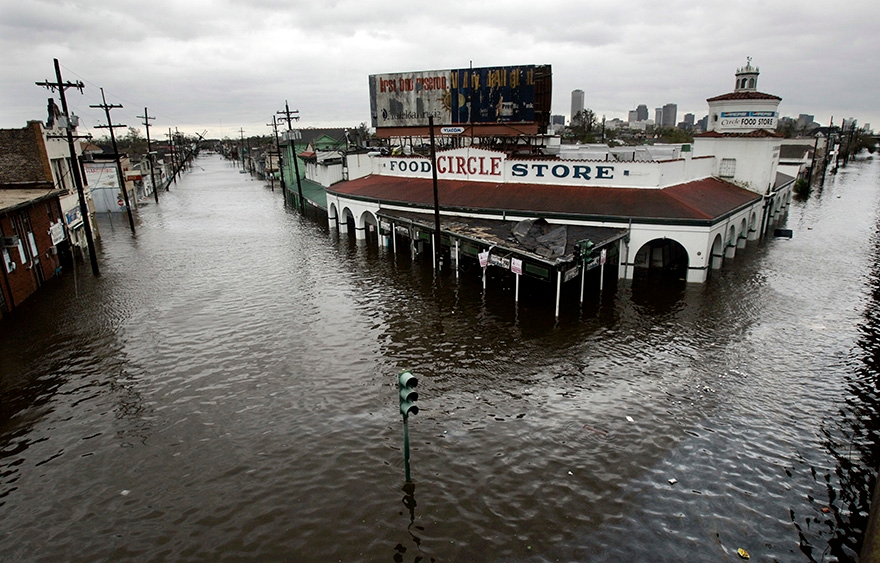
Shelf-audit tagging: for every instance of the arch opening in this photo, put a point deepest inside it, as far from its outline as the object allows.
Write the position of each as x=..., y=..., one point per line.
x=665, y=258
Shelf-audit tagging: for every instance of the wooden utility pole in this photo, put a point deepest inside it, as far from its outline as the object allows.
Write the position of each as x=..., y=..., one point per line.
x=241, y=148
x=173, y=165
x=288, y=116
x=437, y=240
x=121, y=177
x=74, y=161
x=280, y=166
x=146, y=117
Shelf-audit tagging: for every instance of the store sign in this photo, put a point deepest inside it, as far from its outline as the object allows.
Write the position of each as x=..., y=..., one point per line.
x=73, y=217
x=748, y=120
x=483, y=165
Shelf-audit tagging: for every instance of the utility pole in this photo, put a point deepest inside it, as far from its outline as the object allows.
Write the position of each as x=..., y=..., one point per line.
x=289, y=117
x=121, y=177
x=74, y=161
x=173, y=165
x=241, y=148
x=437, y=241
x=146, y=117
x=280, y=164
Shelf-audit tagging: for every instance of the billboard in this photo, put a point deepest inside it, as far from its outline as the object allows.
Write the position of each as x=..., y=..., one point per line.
x=471, y=96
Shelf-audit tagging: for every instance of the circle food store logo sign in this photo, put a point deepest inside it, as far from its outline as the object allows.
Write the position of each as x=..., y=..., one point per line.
x=748, y=120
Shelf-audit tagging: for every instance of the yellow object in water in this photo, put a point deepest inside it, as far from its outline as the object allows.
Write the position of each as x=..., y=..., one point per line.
x=743, y=553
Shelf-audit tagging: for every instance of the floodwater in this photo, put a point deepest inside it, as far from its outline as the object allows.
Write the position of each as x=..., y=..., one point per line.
x=226, y=391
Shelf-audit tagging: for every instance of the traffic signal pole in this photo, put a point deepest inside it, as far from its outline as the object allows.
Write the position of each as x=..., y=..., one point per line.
x=406, y=383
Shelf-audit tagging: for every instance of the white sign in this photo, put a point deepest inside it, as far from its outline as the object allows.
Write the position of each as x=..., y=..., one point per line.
x=748, y=120
x=452, y=130
x=484, y=258
x=56, y=231
x=516, y=265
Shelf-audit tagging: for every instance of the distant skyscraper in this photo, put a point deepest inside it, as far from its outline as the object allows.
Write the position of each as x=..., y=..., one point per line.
x=689, y=119
x=642, y=113
x=633, y=116
x=703, y=124
x=658, y=117
x=670, y=113
x=577, y=103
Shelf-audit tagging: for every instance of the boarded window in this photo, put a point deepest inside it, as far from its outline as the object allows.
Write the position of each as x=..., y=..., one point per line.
x=728, y=168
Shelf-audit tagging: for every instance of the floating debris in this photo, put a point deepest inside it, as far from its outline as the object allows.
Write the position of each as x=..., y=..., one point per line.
x=673, y=481
x=743, y=553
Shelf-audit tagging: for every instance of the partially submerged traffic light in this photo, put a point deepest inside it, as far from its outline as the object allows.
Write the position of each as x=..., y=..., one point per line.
x=406, y=383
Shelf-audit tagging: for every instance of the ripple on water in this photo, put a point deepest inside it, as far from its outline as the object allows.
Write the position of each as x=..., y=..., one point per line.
x=238, y=401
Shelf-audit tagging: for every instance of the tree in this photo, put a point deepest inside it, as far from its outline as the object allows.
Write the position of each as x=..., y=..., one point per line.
x=583, y=126
x=675, y=135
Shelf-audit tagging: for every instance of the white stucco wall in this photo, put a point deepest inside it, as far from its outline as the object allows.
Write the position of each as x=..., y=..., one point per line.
x=718, y=123
x=696, y=240
x=756, y=159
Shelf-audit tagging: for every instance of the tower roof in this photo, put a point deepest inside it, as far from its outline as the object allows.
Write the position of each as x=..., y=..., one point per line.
x=744, y=95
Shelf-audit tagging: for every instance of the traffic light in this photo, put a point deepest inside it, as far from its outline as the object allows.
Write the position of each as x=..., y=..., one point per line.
x=406, y=383
x=584, y=249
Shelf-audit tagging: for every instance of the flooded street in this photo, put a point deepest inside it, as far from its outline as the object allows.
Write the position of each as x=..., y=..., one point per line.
x=226, y=390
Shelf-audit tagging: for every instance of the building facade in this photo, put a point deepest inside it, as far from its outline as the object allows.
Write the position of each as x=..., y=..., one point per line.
x=683, y=210
x=31, y=218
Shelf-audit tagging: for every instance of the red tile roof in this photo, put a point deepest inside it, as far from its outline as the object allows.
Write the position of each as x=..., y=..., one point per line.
x=744, y=96
x=700, y=200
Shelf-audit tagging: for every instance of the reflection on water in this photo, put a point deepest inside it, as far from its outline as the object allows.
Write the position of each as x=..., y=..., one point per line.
x=226, y=390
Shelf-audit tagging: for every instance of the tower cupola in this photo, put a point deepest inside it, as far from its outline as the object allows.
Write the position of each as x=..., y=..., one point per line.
x=747, y=77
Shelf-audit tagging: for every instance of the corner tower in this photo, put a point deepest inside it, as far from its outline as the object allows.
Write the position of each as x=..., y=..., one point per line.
x=745, y=109
x=742, y=134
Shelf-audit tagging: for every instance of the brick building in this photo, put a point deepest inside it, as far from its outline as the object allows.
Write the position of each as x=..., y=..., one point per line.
x=31, y=219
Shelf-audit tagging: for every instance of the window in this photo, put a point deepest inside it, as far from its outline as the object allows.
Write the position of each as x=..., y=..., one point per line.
x=728, y=168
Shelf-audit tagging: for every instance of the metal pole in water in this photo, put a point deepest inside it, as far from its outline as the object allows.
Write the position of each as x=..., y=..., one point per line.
x=558, y=290
x=406, y=446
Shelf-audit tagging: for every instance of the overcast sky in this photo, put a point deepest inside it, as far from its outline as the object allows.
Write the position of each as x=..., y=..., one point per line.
x=222, y=65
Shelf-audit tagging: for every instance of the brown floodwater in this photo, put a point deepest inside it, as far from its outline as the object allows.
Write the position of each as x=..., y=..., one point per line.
x=226, y=390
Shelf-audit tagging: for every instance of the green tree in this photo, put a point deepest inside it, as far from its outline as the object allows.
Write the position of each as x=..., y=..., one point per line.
x=675, y=135
x=583, y=126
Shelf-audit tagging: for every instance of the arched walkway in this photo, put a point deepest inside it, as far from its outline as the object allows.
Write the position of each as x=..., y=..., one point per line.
x=717, y=255
x=370, y=227
x=664, y=257
x=346, y=221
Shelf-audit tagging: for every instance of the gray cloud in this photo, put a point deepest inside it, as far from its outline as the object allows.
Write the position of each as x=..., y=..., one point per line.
x=220, y=65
